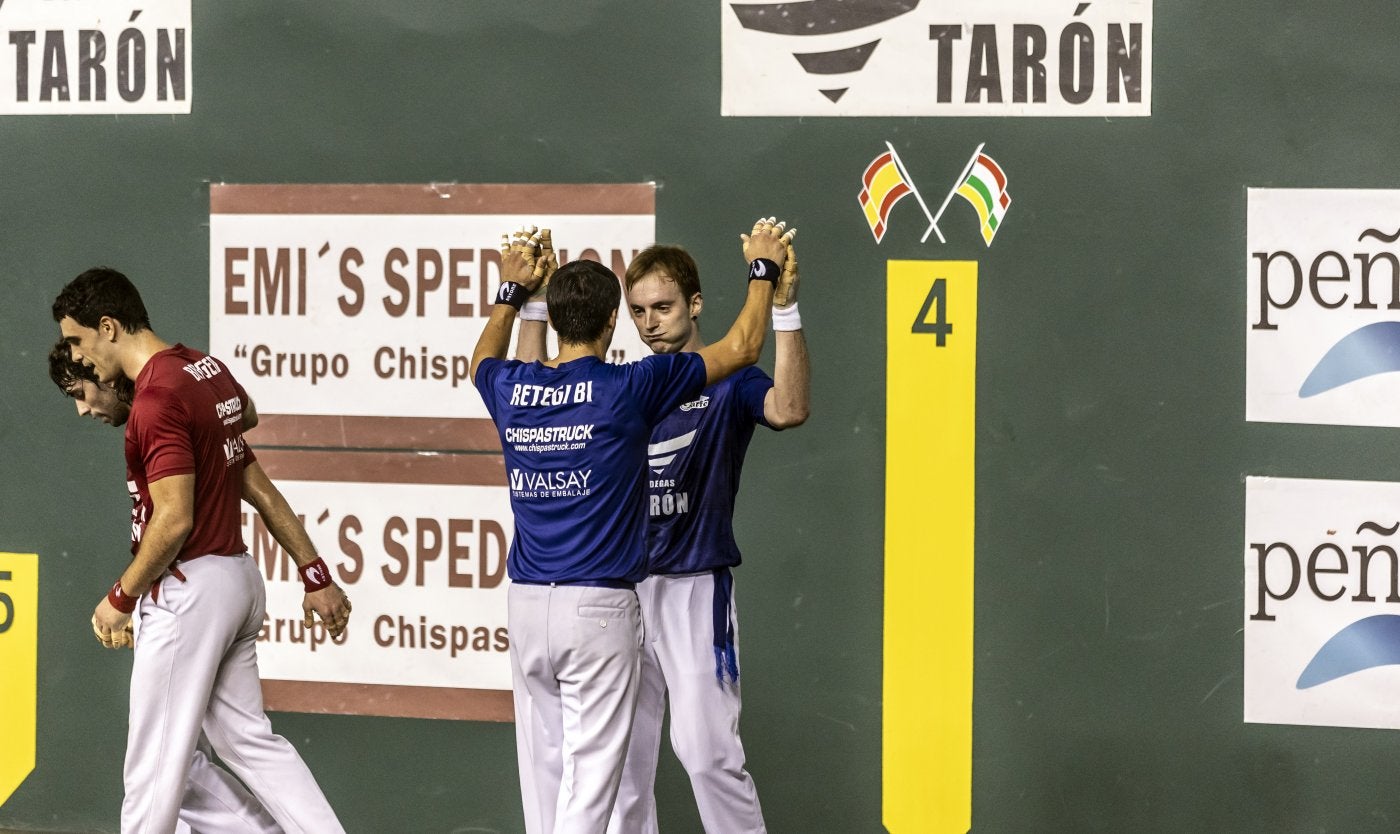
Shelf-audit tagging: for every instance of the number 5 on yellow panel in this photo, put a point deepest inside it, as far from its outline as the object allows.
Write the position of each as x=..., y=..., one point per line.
x=930, y=407
x=19, y=644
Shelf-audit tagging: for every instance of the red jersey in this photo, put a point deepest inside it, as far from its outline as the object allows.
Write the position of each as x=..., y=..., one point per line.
x=187, y=418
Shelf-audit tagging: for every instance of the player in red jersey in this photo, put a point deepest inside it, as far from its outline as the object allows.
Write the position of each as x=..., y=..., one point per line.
x=198, y=597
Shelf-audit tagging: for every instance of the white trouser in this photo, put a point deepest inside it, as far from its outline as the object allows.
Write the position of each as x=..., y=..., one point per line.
x=679, y=656
x=196, y=666
x=573, y=657
x=216, y=803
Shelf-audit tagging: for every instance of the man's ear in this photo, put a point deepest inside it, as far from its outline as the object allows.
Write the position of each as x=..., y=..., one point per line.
x=108, y=328
x=697, y=303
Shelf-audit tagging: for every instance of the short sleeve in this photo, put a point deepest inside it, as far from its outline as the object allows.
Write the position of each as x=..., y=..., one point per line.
x=243, y=397
x=663, y=381
x=485, y=381
x=751, y=389
x=162, y=434
x=247, y=401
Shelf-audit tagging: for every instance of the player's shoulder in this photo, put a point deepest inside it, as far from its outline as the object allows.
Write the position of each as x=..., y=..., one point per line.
x=179, y=364
x=752, y=374
x=490, y=364
x=155, y=401
x=749, y=378
x=670, y=363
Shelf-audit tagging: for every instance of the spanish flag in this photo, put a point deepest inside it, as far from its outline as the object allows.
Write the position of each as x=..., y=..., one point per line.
x=882, y=185
x=985, y=188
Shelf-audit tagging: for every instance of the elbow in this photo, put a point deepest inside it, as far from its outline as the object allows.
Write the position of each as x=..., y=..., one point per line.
x=255, y=498
x=791, y=419
x=749, y=351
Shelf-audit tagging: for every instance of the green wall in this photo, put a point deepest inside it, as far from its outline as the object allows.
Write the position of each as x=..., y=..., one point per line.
x=1111, y=440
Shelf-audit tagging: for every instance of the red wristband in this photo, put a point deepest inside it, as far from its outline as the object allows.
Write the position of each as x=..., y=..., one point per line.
x=315, y=575
x=120, y=600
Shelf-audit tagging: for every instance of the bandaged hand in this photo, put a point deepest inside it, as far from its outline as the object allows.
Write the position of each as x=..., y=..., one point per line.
x=768, y=240
x=523, y=260
x=786, y=293
x=111, y=627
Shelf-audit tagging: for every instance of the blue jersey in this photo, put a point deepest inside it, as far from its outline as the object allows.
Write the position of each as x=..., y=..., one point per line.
x=575, y=440
x=694, y=459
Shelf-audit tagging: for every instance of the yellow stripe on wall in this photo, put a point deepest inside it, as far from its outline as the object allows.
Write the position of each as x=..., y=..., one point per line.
x=930, y=401
x=19, y=660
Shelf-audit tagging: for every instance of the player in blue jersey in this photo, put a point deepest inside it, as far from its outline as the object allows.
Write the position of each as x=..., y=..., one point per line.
x=694, y=462
x=574, y=433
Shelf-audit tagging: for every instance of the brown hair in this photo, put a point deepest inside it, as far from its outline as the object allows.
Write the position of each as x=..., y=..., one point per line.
x=674, y=261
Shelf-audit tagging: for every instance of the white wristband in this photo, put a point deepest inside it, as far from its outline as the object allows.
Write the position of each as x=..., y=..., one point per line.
x=535, y=311
x=786, y=318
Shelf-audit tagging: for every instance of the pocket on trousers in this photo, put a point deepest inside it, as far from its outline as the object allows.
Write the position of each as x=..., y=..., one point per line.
x=601, y=612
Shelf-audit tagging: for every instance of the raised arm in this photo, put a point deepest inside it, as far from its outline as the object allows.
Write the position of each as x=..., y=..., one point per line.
x=534, y=316
x=765, y=250
x=523, y=270
x=328, y=601
x=788, y=401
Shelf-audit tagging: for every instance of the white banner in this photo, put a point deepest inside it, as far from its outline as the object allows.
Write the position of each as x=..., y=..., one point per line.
x=424, y=566
x=376, y=314
x=1322, y=611
x=1322, y=283
x=95, y=56
x=962, y=58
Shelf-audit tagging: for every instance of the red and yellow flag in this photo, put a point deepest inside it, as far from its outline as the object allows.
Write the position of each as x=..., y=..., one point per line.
x=882, y=185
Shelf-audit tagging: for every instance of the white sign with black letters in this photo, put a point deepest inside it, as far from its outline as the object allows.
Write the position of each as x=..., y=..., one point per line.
x=1321, y=602
x=1322, y=290
x=95, y=56
x=377, y=313
x=960, y=58
x=425, y=567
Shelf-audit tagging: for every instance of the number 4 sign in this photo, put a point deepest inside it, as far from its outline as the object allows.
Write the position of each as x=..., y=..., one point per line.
x=930, y=401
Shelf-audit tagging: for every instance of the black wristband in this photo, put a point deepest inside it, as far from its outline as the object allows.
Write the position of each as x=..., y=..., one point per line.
x=513, y=294
x=762, y=269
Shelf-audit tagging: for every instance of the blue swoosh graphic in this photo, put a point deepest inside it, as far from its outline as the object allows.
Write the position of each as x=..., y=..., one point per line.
x=1366, y=351
x=1365, y=644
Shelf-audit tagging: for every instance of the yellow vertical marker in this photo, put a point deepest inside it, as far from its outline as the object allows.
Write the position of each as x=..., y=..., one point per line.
x=19, y=658
x=930, y=404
